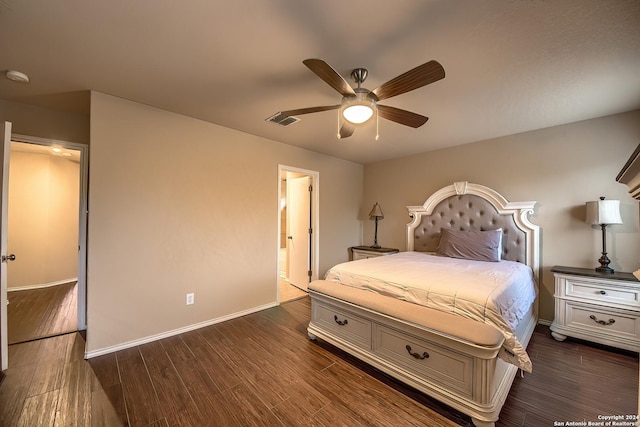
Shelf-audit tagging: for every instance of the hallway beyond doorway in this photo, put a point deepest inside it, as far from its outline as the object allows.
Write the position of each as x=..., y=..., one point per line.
x=288, y=291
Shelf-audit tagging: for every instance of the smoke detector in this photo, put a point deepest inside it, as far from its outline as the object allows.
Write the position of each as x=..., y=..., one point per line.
x=17, y=76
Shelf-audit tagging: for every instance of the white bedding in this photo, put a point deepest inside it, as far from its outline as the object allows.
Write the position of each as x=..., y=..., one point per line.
x=496, y=293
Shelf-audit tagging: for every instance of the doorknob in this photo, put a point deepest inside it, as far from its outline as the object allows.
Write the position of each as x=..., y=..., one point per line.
x=5, y=258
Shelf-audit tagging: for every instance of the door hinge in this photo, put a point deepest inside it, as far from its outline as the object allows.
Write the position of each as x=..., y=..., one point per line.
x=309, y=273
x=310, y=188
x=311, y=231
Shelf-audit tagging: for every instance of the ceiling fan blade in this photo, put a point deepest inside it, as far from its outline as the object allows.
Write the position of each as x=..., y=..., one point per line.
x=403, y=117
x=346, y=130
x=330, y=76
x=309, y=110
x=420, y=76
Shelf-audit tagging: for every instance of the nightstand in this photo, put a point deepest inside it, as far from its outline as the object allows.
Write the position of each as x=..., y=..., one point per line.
x=364, y=252
x=597, y=307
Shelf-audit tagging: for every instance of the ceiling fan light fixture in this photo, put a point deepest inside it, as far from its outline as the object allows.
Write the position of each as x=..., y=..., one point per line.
x=357, y=113
x=358, y=110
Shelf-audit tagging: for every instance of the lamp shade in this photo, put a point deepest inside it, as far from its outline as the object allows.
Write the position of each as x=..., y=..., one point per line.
x=376, y=212
x=603, y=212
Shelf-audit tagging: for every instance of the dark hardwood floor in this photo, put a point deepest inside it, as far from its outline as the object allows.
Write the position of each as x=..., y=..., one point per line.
x=43, y=312
x=261, y=370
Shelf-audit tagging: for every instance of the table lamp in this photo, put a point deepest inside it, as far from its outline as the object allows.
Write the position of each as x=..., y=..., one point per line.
x=376, y=215
x=604, y=212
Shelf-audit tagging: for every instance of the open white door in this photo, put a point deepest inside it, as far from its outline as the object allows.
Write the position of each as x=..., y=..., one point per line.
x=299, y=233
x=4, y=207
x=82, y=149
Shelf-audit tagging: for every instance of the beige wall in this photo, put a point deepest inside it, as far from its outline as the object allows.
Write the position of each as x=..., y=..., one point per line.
x=45, y=123
x=560, y=167
x=43, y=219
x=178, y=205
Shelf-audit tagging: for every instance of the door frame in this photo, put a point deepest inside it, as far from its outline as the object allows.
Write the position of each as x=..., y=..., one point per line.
x=82, y=214
x=315, y=220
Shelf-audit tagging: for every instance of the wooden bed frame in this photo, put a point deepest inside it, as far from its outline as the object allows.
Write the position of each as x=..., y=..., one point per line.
x=421, y=350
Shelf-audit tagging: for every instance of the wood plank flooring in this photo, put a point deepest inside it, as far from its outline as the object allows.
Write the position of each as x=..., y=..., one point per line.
x=43, y=312
x=262, y=370
x=289, y=292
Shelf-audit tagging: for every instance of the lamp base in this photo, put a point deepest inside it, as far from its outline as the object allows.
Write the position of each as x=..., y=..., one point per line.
x=375, y=238
x=604, y=264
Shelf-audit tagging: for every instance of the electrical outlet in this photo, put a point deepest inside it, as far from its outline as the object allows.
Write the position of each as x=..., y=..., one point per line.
x=190, y=299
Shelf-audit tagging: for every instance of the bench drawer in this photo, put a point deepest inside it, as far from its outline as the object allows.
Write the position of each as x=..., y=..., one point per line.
x=345, y=324
x=425, y=359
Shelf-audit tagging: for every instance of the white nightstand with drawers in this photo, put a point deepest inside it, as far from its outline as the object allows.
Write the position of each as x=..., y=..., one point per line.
x=597, y=307
x=363, y=252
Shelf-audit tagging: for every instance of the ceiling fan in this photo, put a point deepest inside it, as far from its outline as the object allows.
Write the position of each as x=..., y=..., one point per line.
x=358, y=104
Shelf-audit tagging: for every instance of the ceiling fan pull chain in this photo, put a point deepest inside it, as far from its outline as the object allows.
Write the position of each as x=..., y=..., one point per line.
x=377, y=126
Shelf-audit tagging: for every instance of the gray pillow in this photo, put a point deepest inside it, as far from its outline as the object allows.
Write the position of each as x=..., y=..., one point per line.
x=474, y=245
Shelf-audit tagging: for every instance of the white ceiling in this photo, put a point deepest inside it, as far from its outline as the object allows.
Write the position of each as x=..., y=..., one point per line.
x=511, y=65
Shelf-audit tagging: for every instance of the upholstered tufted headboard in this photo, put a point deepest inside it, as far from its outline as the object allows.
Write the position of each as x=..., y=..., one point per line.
x=466, y=206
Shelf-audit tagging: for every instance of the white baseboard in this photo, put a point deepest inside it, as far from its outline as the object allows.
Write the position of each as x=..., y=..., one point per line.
x=129, y=344
x=41, y=285
x=544, y=322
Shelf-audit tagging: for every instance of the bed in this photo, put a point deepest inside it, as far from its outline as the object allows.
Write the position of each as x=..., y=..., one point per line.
x=416, y=316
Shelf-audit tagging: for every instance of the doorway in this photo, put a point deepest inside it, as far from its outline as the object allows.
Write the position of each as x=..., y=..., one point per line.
x=45, y=283
x=298, y=231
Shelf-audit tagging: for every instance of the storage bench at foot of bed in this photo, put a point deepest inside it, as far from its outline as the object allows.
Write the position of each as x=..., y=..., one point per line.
x=455, y=362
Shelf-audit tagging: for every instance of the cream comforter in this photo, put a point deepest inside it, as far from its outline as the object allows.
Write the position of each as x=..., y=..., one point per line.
x=495, y=293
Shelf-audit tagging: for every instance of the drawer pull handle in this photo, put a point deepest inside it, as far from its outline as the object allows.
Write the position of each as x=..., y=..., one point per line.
x=341, y=323
x=422, y=356
x=602, y=322
x=603, y=292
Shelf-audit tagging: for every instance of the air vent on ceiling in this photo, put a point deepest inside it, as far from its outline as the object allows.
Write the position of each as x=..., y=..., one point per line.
x=283, y=119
